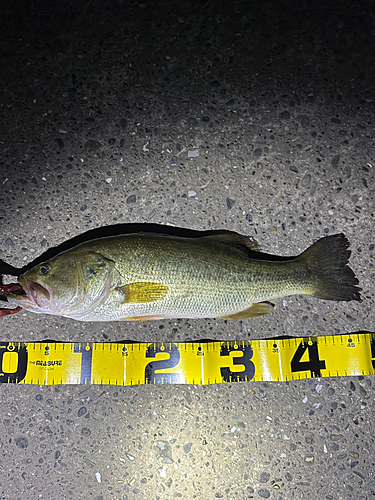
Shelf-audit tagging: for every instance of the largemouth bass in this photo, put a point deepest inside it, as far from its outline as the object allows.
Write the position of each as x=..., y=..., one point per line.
x=150, y=276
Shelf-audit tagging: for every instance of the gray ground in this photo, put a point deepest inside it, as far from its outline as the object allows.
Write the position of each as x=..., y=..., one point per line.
x=251, y=116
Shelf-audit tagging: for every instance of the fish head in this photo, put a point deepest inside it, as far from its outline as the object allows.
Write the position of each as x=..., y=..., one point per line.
x=71, y=284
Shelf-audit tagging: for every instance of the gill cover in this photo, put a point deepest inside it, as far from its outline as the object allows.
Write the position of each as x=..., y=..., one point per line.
x=96, y=273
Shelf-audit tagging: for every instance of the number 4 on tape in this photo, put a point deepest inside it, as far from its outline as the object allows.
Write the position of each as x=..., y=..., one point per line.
x=312, y=364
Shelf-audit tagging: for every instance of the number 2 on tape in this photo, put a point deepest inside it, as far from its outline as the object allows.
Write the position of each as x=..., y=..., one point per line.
x=314, y=364
x=153, y=377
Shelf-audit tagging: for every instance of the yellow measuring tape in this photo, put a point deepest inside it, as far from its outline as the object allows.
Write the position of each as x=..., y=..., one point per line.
x=209, y=362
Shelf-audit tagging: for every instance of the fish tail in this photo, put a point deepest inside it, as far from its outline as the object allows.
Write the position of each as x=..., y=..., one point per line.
x=331, y=276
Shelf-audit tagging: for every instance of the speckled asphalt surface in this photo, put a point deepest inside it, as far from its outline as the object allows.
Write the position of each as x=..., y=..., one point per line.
x=256, y=117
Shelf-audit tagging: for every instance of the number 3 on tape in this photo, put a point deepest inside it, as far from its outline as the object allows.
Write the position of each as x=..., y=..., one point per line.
x=249, y=371
x=313, y=364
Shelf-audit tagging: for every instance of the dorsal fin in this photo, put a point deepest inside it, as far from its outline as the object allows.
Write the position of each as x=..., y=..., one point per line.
x=234, y=239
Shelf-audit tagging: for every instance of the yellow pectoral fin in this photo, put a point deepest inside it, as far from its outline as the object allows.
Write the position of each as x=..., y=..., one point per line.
x=253, y=311
x=142, y=292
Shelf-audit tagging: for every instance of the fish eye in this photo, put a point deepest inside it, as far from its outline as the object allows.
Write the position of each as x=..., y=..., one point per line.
x=44, y=269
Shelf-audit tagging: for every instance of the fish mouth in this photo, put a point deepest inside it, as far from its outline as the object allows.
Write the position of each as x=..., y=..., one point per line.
x=35, y=294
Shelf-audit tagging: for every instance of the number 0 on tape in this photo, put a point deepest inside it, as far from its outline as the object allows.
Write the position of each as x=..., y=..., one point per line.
x=50, y=363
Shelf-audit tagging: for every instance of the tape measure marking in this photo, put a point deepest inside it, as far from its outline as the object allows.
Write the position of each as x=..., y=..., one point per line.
x=51, y=363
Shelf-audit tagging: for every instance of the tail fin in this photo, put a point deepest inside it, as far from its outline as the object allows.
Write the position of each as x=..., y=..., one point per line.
x=332, y=278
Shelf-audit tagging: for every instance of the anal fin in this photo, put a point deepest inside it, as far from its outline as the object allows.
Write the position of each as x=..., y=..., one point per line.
x=255, y=310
